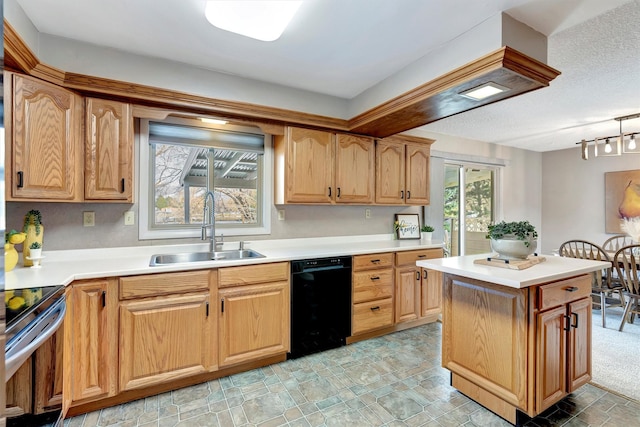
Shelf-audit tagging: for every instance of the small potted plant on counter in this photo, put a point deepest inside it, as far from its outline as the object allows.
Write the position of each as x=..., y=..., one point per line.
x=426, y=232
x=35, y=250
x=513, y=240
x=34, y=229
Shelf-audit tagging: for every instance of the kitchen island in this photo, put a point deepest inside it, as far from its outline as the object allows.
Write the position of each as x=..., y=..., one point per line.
x=516, y=341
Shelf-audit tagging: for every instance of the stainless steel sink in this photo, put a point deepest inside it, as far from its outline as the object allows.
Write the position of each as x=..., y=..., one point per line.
x=188, y=257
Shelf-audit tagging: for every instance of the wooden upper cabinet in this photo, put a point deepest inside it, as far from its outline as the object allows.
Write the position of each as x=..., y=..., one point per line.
x=45, y=149
x=390, y=173
x=306, y=157
x=108, y=151
x=417, y=174
x=321, y=167
x=355, y=169
x=402, y=171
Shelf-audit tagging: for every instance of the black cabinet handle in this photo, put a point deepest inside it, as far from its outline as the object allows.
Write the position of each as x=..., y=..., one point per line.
x=374, y=278
x=20, y=179
x=222, y=306
x=424, y=274
x=568, y=319
x=329, y=191
x=402, y=194
x=375, y=261
x=122, y=186
x=575, y=318
x=376, y=308
x=421, y=256
x=408, y=194
x=338, y=195
x=417, y=275
x=571, y=289
x=104, y=298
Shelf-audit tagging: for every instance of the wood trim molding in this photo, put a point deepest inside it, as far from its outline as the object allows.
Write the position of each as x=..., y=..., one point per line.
x=434, y=100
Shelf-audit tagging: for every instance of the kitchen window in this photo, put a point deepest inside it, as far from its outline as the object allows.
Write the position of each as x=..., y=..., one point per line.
x=182, y=159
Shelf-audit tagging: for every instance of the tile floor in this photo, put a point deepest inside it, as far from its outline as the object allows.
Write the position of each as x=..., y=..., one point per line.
x=394, y=380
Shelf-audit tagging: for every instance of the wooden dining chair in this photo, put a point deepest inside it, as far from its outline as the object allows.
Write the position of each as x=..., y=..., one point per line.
x=612, y=244
x=627, y=264
x=602, y=285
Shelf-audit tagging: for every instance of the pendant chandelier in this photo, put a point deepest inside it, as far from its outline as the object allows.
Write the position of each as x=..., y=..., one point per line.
x=613, y=145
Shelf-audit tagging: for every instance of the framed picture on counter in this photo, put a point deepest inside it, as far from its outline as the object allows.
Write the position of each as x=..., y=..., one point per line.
x=407, y=226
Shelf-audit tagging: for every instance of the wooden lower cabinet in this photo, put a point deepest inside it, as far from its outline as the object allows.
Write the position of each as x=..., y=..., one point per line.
x=417, y=291
x=494, y=335
x=91, y=323
x=163, y=339
x=372, y=297
x=253, y=322
x=48, y=372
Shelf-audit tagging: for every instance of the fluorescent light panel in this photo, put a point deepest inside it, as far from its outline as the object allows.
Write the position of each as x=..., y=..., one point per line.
x=259, y=19
x=213, y=121
x=484, y=91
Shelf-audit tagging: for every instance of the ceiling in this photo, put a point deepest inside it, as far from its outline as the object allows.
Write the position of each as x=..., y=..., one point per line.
x=341, y=48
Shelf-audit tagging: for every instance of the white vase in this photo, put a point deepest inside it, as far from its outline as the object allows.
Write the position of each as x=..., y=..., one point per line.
x=426, y=235
x=512, y=248
x=35, y=253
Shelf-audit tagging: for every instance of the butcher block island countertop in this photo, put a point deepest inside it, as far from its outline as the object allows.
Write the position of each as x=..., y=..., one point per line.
x=516, y=341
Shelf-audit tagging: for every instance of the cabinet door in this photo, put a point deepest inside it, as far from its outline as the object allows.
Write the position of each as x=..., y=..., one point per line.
x=309, y=169
x=18, y=391
x=92, y=324
x=579, y=345
x=48, y=370
x=108, y=151
x=390, y=175
x=417, y=174
x=355, y=169
x=551, y=359
x=46, y=156
x=163, y=339
x=253, y=322
x=431, y=292
x=407, y=294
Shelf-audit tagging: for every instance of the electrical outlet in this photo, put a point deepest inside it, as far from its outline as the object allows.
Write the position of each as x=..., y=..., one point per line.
x=88, y=219
x=367, y=213
x=129, y=218
x=281, y=214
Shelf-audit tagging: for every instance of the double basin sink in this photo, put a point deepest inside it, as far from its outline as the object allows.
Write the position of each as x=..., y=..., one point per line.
x=188, y=257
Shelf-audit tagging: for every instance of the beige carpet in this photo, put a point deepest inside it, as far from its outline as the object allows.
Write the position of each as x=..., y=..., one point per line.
x=616, y=355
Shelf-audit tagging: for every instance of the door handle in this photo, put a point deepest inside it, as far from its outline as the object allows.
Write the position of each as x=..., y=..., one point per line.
x=571, y=289
x=338, y=194
x=402, y=194
x=424, y=274
x=568, y=319
x=374, y=278
x=408, y=194
x=417, y=275
x=375, y=261
x=20, y=179
x=376, y=308
x=329, y=191
x=122, y=187
x=575, y=323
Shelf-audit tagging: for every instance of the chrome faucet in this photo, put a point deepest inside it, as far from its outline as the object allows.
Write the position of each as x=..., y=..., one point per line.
x=211, y=222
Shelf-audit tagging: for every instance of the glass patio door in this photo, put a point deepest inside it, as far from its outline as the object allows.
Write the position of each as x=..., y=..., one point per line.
x=469, y=200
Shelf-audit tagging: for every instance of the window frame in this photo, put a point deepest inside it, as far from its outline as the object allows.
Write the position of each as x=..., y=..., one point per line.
x=146, y=230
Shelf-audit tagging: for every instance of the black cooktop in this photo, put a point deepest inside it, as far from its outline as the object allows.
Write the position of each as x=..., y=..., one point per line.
x=20, y=303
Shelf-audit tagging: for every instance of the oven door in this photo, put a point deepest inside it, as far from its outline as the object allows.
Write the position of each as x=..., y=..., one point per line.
x=27, y=340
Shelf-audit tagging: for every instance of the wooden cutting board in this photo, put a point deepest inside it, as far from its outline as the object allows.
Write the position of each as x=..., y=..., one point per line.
x=512, y=264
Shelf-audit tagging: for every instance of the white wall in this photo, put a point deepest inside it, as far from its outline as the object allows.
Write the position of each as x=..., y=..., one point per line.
x=573, y=197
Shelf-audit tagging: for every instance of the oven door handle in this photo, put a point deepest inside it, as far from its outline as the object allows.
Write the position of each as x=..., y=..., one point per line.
x=25, y=342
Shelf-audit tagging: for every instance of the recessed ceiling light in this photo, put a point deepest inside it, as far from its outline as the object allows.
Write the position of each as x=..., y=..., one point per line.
x=484, y=91
x=259, y=19
x=213, y=121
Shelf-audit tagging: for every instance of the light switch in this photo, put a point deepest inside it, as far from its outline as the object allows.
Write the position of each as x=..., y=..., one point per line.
x=129, y=218
x=367, y=213
x=88, y=219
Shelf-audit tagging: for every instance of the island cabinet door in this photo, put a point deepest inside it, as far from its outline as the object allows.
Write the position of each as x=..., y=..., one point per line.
x=408, y=281
x=579, y=344
x=551, y=356
x=162, y=339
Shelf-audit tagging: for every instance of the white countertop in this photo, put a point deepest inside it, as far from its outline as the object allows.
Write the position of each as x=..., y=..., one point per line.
x=63, y=267
x=553, y=268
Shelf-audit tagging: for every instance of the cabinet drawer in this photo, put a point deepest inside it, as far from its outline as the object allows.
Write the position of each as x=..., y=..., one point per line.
x=163, y=284
x=372, y=315
x=366, y=262
x=410, y=257
x=564, y=291
x=252, y=274
x=372, y=285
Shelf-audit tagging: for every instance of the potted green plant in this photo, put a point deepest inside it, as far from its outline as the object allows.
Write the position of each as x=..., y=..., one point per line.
x=426, y=232
x=34, y=229
x=35, y=250
x=513, y=240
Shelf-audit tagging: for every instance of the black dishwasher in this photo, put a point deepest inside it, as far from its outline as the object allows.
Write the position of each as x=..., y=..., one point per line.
x=320, y=304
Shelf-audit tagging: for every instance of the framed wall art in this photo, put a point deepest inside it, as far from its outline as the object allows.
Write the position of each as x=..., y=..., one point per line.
x=622, y=198
x=407, y=226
